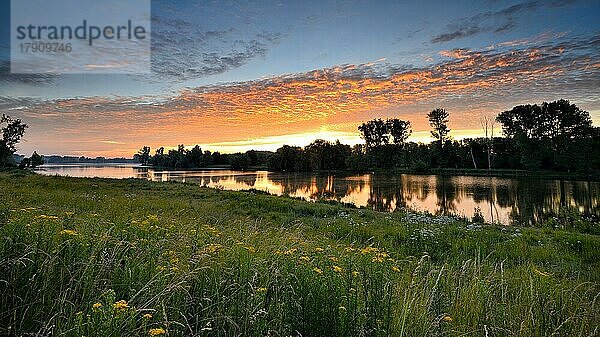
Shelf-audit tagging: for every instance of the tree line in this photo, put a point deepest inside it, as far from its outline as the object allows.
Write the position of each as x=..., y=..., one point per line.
x=196, y=158
x=555, y=136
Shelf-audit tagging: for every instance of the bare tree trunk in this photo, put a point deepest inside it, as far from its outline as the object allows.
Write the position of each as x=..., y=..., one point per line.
x=473, y=157
x=488, y=124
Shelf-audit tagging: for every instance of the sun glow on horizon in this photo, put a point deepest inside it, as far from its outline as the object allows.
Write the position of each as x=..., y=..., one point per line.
x=272, y=143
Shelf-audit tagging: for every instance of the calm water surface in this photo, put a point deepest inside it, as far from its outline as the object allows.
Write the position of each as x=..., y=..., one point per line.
x=501, y=200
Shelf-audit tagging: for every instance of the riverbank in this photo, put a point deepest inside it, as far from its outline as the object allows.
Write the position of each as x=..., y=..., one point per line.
x=99, y=256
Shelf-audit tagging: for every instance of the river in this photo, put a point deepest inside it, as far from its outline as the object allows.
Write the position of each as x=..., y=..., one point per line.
x=500, y=200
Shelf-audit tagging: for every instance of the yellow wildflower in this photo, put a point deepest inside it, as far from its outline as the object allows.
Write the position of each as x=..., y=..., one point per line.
x=318, y=270
x=157, y=331
x=96, y=305
x=147, y=316
x=355, y=273
x=68, y=232
x=368, y=250
x=377, y=259
x=447, y=318
x=337, y=269
x=290, y=251
x=121, y=305
x=250, y=249
x=304, y=259
x=319, y=249
x=349, y=249
x=333, y=258
x=261, y=290
x=396, y=269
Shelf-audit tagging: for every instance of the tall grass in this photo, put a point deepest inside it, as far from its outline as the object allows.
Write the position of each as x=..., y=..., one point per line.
x=101, y=257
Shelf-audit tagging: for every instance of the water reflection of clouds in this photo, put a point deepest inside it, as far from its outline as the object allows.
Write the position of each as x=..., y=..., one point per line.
x=502, y=200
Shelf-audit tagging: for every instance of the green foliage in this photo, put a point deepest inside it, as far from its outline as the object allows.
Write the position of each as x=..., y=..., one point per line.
x=11, y=133
x=101, y=257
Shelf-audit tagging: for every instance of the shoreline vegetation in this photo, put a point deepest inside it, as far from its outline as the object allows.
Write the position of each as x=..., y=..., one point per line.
x=99, y=257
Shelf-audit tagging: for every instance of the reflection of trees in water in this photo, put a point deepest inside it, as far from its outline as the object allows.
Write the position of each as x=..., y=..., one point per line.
x=355, y=185
x=387, y=193
x=523, y=200
x=446, y=192
x=315, y=187
x=296, y=184
x=539, y=199
x=141, y=172
x=248, y=179
x=587, y=196
x=489, y=192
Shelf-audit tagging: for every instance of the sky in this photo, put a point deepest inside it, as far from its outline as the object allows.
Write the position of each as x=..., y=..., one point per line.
x=236, y=75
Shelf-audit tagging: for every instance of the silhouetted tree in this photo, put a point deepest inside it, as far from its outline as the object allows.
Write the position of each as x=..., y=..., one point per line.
x=547, y=134
x=32, y=162
x=195, y=157
x=522, y=120
x=399, y=130
x=36, y=160
x=438, y=120
x=144, y=155
x=375, y=132
x=11, y=132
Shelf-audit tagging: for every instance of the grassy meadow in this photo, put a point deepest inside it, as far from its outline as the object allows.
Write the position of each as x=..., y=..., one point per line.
x=102, y=257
